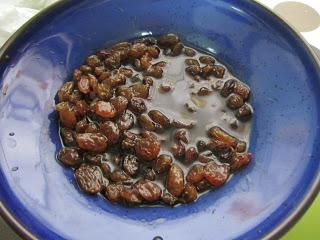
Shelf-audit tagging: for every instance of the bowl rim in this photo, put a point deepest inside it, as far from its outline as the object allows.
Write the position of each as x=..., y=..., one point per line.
x=275, y=233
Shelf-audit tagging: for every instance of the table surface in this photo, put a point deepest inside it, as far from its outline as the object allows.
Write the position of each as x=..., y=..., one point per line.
x=302, y=14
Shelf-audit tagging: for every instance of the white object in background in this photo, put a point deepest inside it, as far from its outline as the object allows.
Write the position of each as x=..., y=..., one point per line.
x=14, y=13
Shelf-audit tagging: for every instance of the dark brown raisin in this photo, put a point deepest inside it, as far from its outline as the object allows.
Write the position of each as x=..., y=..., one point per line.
x=154, y=71
x=182, y=135
x=189, y=52
x=65, y=91
x=76, y=75
x=177, y=49
x=93, y=158
x=131, y=196
x=234, y=101
x=111, y=131
x=131, y=165
x=178, y=150
x=89, y=178
x=220, y=135
x=147, y=41
x=224, y=152
x=93, y=61
x=120, y=103
x=163, y=163
x=147, y=80
x=240, y=161
x=201, y=145
x=119, y=176
x=146, y=123
x=190, y=155
x=104, y=91
x=244, y=113
x=113, y=192
x=117, y=159
x=191, y=61
x=149, y=191
x=169, y=199
x=190, y=193
x=125, y=122
x=68, y=137
x=94, y=142
x=148, y=147
x=207, y=60
x=206, y=156
x=137, y=50
x=140, y=91
x=85, y=69
x=228, y=88
x=168, y=40
x=126, y=72
x=195, y=174
x=242, y=90
x=81, y=108
x=129, y=140
x=137, y=105
x=241, y=147
x=105, y=110
x=193, y=70
x=149, y=174
x=216, y=173
x=70, y=157
x=175, y=180
x=106, y=170
x=218, y=71
x=203, y=185
x=204, y=91
x=159, y=117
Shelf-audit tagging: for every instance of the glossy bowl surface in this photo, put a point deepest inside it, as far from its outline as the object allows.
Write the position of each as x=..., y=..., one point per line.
x=39, y=197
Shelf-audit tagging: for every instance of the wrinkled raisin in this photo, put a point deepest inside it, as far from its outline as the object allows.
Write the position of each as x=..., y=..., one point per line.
x=94, y=142
x=175, y=180
x=216, y=173
x=131, y=165
x=148, y=147
x=89, y=178
x=137, y=105
x=190, y=155
x=70, y=157
x=244, y=113
x=234, y=101
x=195, y=174
x=189, y=193
x=111, y=131
x=163, y=163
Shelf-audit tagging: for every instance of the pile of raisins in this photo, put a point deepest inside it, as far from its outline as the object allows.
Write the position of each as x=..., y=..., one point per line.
x=112, y=137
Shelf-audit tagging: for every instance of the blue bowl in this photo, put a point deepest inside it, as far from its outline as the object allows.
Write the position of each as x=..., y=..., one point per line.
x=39, y=197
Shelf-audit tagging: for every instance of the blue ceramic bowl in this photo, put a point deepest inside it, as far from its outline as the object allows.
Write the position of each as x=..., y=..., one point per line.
x=39, y=197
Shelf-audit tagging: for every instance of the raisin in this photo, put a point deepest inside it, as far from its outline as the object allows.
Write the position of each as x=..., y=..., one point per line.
x=76, y=75
x=175, y=180
x=89, y=178
x=204, y=91
x=140, y=90
x=216, y=173
x=207, y=60
x=70, y=157
x=148, y=147
x=189, y=52
x=234, y=101
x=193, y=70
x=242, y=90
x=145, y=62
x=191, y=61
x=119, y=176
x=137, y=105
x=244, y=113
x=65, y=91
x=117, y=160
x=130, y=140
x=67, y=115
x=94, y=142
x=218, y=134
x=240, y=161
x=85, y=69
x=206, y=156
x=125, y=122
x=165, y=87
x=146, y=123
x=111, y=130
x=203, y=185
x=120, y=104
x=105, y=109
x=224, y=152
x=137, y=50
x=169, y=199
x=93, y=61
x=106, y=170
x=149, y=191
x=241, y=146
x=81, y=108
x=177, y=49
x=189, y=193
x=190, y=155
x=94, y=158
x=147, y=41
x=228, y=88
x=149, y=174
x=147, y=80
x=168, y=40
x=126, y=72
x=68, y=137
x=178, y=150
x=160, y=118
x=98, y=71
x=131, y=196
x=163, y=163
x=201, y=145
x=154, y=71
x=182, y=135
x=84, y=84
x=180, y=124
x=104, y=91
x=131, y=165
x=218, y=71
x=113, y=192
x=195, y=174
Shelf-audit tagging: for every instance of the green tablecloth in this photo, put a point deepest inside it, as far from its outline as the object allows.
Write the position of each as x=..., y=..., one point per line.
x=308, y=226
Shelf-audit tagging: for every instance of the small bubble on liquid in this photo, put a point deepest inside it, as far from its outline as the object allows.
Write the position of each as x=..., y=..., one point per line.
x=11, y=134
x=157, y=238
x=14, y=169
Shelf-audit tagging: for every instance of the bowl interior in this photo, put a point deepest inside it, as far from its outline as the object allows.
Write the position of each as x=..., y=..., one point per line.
x=257, y=47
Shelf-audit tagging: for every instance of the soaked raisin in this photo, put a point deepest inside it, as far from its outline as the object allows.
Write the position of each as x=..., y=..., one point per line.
x=89, y=178
x=177, y=49
x=168, y=40
x=175, y=180
x=169, y=199
x=163, y=163
x=149, y=174
x=218, y=134
x=201, y=145
x=190, y=193
x=131, y=196
x=191, y=61
x=93, y=158
x=106, y=170
x=105, y=109
x=125, y=121
x=195, y=174
x=149, y=191
x=93, y=61
x=224, y=152
x=154, y=71
x=67, y=115
x=234, y=101
x=193, y=70
x=65, y=91
x=94, y=142
x=178, y=150
x=148, y=147
x=113, y=192
x=216, y=173
x=203, y=185
x=111, y=131
x=244, y=113
x=240, y=161
x=120, y=104
x=70, y=157
x=190, y=155
x=147, y=80
x=206, y=156
x=182, y=135
x=189, y=52
x=85, y=69
x=137, y=105
x=207, y=60
x=131, y=165
x=119, y=176
x=68, y=137
x=228, y=88
x=158, y=117
x=126, y=72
